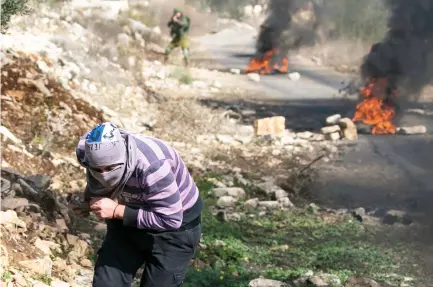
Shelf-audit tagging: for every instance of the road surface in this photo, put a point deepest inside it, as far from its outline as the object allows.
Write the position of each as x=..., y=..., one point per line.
x=375, y=172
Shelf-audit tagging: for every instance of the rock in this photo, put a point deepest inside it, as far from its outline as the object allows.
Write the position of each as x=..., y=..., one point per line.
x=80, y=248
x=235, y=71
x=360, y=281
x=224, y=139
x=235, y=192
x=199, y=84
x=287, y=140
x=274, y=126
x=333, y=136
x=86, y=263
x=217, y=84
x=60, y=264
x=41, y=266
x=345, y=123
x=42, y=65
x=160, y=75
x=247, y=112
x=234, y=216
x=39, y=84
x=360, y=211
x=257, y=9
x=4, y=258
x=415, y=111
x=285, y=202
x=155, y=48
x=132, y=61
x=84, y=278
x=61, y=225
x=279, y=192
x=20, y=281
x=329, y=279
x=58, y=283
x=7, y=134
x=269, y=204
x=156, y=30
x=333, y=120
x=350, y=131
x=412, y=130
x=40, y=181
x=294, y=76
x=254, y=77
x=271, y=189
x=262, y=282
x=14, y=203
x=304, y=135
x=226, y=201
x=77, y=30
x=216, y=182
x=243, y=139
x=39, y=284
x=72, y=239
x=397, y=216
x=330, y=129
x=46, y=246
x=316, y=281
x=312, y=207
x=9, y=218
x=350, y=134
x=251, y=203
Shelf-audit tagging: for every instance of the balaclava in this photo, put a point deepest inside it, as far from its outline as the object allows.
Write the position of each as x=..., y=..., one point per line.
x=105, y=146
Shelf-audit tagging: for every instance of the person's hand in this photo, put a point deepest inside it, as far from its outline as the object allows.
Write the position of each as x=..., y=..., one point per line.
x=103, y=207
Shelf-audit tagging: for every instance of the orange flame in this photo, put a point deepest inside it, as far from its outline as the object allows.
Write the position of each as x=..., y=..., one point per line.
x=375, y=110
x=264, y=65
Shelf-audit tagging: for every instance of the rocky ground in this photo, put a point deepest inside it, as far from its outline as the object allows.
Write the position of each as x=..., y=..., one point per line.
x=66, y=68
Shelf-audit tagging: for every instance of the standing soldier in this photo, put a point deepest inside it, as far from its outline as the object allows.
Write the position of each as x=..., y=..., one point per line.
x=179, y=25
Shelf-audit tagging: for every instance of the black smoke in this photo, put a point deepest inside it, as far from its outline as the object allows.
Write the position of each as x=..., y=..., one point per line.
x=405, y=55
x=278, y=21
x=280, y=31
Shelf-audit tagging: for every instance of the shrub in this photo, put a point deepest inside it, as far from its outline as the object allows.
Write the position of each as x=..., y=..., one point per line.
x=10, y=8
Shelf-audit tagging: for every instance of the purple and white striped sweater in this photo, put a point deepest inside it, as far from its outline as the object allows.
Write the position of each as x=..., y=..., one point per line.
x=161, y=194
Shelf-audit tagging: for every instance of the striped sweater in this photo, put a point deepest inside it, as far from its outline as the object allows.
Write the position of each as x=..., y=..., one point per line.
x=161, y=194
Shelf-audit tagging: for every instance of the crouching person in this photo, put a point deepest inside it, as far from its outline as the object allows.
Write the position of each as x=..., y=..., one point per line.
x=141, y=187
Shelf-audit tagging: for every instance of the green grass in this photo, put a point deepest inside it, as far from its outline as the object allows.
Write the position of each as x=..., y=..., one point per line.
x=182, y=75
x=44, y=279
x=6, y=276
x=284, y=246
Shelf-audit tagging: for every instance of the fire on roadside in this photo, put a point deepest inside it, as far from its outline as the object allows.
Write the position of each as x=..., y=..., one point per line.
x=271, y=62
x=376, y=109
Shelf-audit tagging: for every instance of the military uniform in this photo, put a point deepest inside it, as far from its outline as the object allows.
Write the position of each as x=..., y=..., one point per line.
x=178, y=31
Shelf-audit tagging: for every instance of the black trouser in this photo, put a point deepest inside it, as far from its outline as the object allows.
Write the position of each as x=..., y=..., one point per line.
x=165, y=255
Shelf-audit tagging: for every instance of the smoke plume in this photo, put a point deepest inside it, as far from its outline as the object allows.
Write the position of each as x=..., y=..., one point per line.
x=276, y=23
x=405, y=55
x=289, y=24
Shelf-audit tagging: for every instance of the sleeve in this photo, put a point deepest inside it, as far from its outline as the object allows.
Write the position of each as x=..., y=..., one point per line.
x=161, y=193
x=183, y=22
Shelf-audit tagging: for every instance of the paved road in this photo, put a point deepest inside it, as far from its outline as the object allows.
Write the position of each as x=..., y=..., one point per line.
x=233, y=48
x=389, y=172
